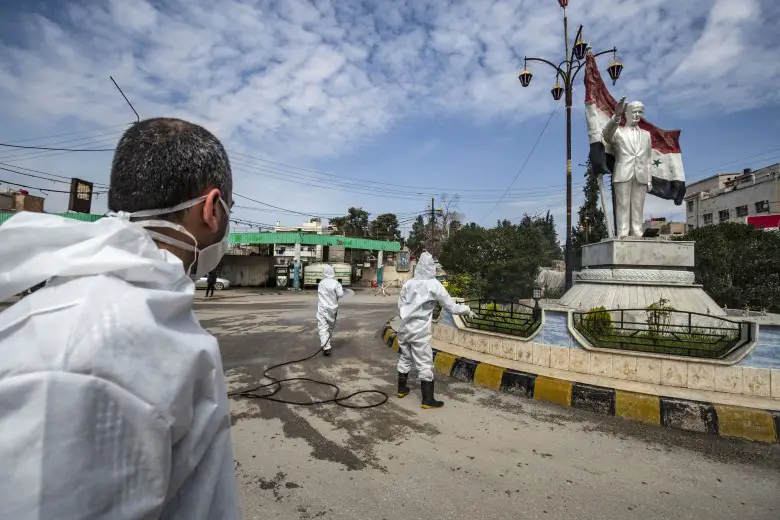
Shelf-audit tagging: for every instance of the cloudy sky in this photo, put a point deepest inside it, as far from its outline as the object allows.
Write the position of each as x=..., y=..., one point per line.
x=326, y=104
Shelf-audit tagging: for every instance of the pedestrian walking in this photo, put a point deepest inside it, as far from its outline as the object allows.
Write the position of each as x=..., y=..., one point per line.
x=112, y=398
x=211, y=281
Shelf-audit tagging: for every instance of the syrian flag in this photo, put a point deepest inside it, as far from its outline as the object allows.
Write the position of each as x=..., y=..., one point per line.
x=667, y=168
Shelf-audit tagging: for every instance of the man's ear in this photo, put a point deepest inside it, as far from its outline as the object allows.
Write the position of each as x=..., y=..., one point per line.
x=210, y=210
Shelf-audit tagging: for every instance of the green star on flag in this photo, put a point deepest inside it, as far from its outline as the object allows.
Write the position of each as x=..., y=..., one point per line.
x=657, y=163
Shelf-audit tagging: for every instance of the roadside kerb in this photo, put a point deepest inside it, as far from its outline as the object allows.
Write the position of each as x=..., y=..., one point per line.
x=672, y=412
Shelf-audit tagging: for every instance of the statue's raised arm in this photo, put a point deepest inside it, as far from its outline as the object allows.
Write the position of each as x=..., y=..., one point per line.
x=612, y=125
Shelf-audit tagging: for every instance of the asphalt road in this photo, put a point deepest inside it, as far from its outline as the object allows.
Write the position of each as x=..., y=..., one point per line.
x=484, y=455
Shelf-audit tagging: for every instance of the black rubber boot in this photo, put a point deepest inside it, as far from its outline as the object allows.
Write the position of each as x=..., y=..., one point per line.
x=403, y=387
x=427, y=395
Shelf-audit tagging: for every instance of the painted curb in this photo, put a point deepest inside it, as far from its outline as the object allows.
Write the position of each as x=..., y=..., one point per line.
x=679, y=414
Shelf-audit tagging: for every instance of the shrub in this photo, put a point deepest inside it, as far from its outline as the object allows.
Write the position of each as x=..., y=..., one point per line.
x=462, y=285
x=598, y=321
x=659, y=315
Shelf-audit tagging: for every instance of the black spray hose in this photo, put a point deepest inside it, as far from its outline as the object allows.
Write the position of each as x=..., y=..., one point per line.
x=251, y=393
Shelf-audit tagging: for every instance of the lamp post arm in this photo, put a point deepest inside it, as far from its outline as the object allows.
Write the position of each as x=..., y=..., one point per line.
x=614, y=49
x=573, y=76
x=579, y=33
x=551, y=64
x=580, y=65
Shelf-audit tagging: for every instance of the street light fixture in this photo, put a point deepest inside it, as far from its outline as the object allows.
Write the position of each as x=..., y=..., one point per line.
x=525, y=76
x=615, y=68
x=537, y=312
x=557, y=91
x=580, y=49
x=566, y=73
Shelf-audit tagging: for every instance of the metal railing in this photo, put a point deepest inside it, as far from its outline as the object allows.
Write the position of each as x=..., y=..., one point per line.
x=511, y=318
x=663, y=331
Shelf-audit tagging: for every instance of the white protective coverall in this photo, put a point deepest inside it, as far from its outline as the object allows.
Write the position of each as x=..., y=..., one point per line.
x=415, y=305
x=328, y=293
x=113, y=403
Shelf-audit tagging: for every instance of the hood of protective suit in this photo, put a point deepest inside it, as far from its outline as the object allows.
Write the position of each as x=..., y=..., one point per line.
x=328, y=272
x=38, y=246
x=426, y=268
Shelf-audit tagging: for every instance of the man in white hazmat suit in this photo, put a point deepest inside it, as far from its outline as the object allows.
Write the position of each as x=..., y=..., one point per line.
x=113, y=403
x=329, y=291
x=415, y=305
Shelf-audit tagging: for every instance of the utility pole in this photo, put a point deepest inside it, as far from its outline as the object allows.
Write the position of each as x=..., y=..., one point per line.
x=433, y=227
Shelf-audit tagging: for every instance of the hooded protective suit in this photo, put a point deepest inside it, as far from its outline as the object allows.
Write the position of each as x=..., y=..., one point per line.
x=113, y=403
x=415, y=305
x=328, y=293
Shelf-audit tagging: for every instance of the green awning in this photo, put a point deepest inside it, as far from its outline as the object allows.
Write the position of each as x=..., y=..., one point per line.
x=285, y=238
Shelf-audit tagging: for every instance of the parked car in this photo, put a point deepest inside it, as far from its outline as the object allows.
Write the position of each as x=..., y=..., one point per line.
x=220, y=284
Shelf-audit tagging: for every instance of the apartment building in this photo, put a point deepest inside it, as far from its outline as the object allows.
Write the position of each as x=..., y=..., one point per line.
x=733, y=197
x=664, y=227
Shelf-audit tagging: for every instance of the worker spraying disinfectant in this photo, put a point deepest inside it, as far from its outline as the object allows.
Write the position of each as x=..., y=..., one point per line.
x=329, y=292
x=415, y=305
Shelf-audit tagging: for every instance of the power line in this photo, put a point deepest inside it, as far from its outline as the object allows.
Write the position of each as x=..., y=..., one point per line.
x=31, y=175
x=28, y=155
x=389, y=194
x=533, y=148
x=749, y=157
x=277, y=207
x=68, y=133
x=44, y=190
x=316, y=172
x=296, y=177
x=57, y=149
x=98, y=184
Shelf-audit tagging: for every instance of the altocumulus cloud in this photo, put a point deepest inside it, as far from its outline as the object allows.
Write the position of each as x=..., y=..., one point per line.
x=314, y=78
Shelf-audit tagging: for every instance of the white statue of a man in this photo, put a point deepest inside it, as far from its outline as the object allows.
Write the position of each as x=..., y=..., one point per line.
x=631, y=179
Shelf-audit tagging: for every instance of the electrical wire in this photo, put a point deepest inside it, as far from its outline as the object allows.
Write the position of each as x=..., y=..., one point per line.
x=250, y=393
x=533, y=149
x=31, y=175
x=100, y=185
x=8, y=145
x=44, y=190
x=433, y=190
x=276, y=207
x=70, y=133
x=37, y=154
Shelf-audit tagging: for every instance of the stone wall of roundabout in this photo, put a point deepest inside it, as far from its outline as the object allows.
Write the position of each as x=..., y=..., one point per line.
x=738, y=396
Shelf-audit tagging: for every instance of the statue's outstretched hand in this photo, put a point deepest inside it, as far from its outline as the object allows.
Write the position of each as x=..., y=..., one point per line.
x=649, y=186
x=620, y=109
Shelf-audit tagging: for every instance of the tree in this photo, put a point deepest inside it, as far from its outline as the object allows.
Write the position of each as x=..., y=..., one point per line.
x=737, y=265
x=416, y=241
x=385, y=227
x=354, y=224
x=444, y=221
x=592, y=224
x=502, y=262
x=545, y=226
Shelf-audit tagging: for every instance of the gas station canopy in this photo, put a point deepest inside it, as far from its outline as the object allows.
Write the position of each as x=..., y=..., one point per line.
x=246, y=239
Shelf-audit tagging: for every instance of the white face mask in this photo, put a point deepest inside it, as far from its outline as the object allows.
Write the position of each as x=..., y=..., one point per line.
x=207, y=258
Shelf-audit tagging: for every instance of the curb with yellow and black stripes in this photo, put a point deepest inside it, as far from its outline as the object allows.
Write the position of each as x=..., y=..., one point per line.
x=717, y=419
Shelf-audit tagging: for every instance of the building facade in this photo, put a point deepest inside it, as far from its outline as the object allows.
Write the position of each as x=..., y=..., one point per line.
x=733, y=197
x=12, y=201
x=284, y=254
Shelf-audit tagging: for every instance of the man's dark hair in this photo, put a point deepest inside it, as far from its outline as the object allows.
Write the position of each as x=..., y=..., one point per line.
x=162, y=162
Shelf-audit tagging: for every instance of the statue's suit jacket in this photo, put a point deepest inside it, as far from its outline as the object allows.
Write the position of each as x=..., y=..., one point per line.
x=633, y=152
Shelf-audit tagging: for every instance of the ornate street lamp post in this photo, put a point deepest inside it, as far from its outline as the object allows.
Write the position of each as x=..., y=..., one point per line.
x=566, y=72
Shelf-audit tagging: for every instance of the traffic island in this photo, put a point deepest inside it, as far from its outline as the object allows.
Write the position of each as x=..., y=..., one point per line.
x=715, y=413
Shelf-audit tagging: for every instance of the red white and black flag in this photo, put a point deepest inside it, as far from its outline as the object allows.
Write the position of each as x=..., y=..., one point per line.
x=667, y=168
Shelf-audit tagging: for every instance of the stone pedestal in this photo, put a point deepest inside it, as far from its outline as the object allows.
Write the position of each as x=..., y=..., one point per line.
x=632, y=273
